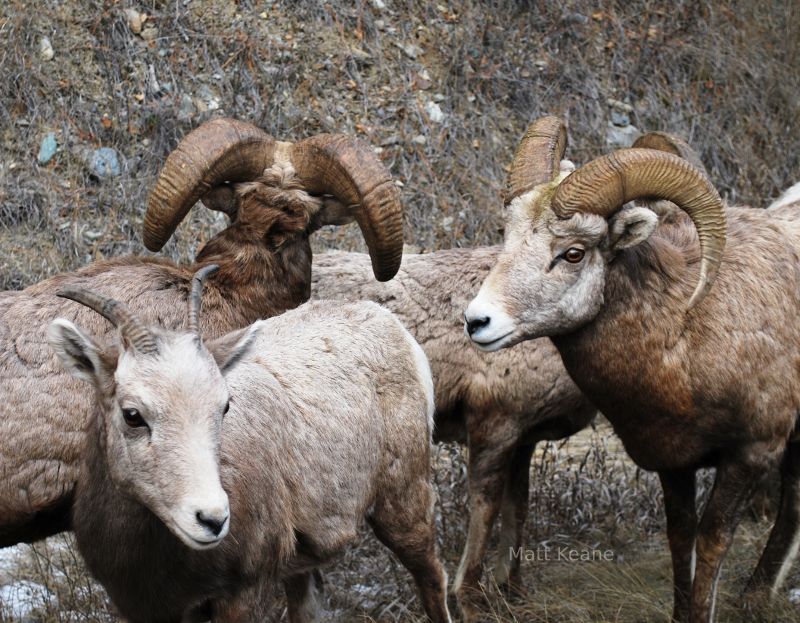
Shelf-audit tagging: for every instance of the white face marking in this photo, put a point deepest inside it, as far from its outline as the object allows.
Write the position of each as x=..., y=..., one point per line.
x=172, y=465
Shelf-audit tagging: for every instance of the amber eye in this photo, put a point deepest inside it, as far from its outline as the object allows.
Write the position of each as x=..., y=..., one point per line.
x=133, y=418
x=574, y=255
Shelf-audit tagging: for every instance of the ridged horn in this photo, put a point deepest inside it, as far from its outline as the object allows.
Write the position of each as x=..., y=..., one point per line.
x=220, y=150
x=117, y=314
x=605, y=184
x=226, y=150
x=672, y=144
x=538, y=156
x=196, y=297
x=348, y=169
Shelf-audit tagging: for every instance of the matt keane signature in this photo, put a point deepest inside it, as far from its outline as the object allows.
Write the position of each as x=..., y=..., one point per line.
x=545, y=553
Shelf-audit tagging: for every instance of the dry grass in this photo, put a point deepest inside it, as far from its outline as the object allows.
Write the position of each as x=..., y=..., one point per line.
x=723, y=74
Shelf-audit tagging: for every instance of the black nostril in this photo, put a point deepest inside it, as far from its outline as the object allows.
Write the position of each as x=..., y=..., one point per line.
x=212, y=523
x=477, y=323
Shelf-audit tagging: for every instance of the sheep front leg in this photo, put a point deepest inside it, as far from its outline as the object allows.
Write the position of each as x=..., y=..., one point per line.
x=514, y=514
x=784, y=540
x=490, y=454
x=679, y=504
x=734, y=485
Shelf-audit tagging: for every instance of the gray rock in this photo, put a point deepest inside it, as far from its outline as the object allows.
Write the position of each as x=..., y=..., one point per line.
x=434, y=112
x=46, y=51
x=186, y=108
x=620, y=118
x=104, y=163
x=47, y=149
x=617, y=137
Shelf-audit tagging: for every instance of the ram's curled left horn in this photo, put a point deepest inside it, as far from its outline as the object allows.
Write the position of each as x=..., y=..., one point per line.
x=605, y=184
x=131, y=328
x=538, y=156
x=196, y=297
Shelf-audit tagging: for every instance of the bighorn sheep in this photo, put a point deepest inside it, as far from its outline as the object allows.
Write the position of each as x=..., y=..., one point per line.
x=711, y=383
x=265, y=263
x=501, y=405
x=328, y=411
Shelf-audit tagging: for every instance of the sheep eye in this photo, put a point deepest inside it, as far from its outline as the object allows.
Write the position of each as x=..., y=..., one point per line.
x=133, y=418
x=574, y=255
x=227, y=408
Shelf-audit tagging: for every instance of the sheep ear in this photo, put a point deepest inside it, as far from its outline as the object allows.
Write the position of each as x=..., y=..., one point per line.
x=630, y=227
x=78, y=353
x=229, y=349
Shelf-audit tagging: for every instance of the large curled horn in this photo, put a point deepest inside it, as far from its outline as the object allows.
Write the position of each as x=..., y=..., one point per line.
x=220, y=150
x=226, y=150
x=605, y=184
x=672, y=144
x=349, y=170
x=120, y=316
x=196, y=297
x=538, y=156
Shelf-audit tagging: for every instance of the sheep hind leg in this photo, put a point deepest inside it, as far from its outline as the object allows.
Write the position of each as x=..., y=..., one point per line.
x=784, y=539
x=514, y=513
x=303, y=596
x=404, y=522
x=734, y=485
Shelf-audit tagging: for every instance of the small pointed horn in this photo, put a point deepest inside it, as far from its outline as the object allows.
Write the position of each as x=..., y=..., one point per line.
x=538, y=156
x=196, y=297
x=117, y=314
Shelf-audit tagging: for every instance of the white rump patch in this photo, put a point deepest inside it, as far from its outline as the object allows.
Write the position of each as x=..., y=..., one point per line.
x=787, y=198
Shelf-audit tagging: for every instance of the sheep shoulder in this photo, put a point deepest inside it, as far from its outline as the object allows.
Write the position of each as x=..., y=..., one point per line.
x=690, y=370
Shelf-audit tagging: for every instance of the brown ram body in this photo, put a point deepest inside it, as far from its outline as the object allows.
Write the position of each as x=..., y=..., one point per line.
x=265, y=268
x=499, y=404
x=710, y=383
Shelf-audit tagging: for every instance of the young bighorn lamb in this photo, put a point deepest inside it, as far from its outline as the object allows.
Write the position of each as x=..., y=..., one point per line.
x=327, y=420
x=265, y=263
x=711, y=383
x=500, y=405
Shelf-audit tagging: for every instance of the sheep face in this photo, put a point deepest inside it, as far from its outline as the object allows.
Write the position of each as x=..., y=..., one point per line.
x=550, y=277
x=161, y=419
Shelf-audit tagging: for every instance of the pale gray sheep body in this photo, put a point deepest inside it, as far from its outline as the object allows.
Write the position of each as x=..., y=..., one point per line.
x=328, y=424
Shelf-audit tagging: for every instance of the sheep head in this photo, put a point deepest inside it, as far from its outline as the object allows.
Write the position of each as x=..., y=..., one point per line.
x=162, y=397
x=562, y=233
x=236, y=168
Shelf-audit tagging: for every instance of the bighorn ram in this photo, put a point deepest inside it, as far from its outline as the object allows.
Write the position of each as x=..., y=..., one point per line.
x=712, y=382
x=328, y=411
x=265, y=263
